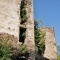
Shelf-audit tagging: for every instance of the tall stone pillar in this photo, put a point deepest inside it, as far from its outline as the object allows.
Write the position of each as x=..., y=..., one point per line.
x=30, y=30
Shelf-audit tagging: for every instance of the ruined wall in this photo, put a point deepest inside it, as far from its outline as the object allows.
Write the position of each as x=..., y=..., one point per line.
x=29, y=25
x=9, y=17
x=30, y=30
x=50, y=44
x=10, y=22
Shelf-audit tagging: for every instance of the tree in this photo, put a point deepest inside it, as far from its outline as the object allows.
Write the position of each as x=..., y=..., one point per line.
x=39, y=37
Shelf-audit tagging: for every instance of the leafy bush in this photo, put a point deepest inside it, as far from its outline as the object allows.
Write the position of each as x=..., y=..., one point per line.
x=41, y=43
x=20, y=53
x=5, y=50
x=23, y=49
x=39, y=38
x=58, y=49
x=58, y=57
x=8, y=52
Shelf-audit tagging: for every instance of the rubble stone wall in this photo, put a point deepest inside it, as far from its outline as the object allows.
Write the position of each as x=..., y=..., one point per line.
x=10, y=22
x=9, y=17
x=50, y=44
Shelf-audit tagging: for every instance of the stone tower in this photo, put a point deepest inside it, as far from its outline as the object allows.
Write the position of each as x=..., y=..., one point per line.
x=50, y=44
x=10, y=22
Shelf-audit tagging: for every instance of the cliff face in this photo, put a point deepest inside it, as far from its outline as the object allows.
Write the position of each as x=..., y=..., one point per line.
x=50, y=44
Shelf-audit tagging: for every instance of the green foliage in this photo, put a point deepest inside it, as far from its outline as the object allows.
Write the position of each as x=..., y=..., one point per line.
x=5, y=50
x=23, y=11
x=39, y=38
x=23, y=49
x=20, y=52
x=58, y=57
x=41, y=44
x=58, y=49
x=37, y=32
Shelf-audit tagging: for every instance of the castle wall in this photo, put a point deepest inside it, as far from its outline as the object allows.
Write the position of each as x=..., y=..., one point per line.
x=10, y=22
x=50, y=44
x=30, y=30
x=29, y=25
x=9, y=17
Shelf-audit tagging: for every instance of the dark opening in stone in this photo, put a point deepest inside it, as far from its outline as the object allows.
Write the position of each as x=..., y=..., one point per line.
x=22, y=35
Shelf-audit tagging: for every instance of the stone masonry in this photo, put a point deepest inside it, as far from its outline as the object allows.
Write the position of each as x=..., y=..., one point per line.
x=50, y=43
x=10, y=22
x=9, y=17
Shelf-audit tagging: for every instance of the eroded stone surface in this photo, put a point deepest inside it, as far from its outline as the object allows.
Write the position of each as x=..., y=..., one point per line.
x=30, y=29
x=50, y=44
x=9, y=17
x=9, y=39
x=10, y=22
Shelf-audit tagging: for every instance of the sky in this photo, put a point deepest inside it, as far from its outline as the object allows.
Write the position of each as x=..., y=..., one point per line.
x=49, y=12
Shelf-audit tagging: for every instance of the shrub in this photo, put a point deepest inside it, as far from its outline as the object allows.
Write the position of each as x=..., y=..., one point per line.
x=5, y=50
x=23, y=49
x=58, y=57
x=39, y=38
x=10, y=52
x=22, y=52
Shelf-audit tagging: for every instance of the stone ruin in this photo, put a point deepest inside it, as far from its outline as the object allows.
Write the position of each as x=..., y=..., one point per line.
x=12, y=27
x=50, y=44
x=10, y=22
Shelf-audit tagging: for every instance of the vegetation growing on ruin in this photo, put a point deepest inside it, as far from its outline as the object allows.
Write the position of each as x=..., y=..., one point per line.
x=5, y=50
x=39, y=38
x=58, y=57
x=23, y=49
x=23, y=12
x=9, y=52
x=58, y=49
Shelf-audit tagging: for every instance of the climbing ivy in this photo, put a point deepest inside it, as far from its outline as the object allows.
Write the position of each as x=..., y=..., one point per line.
x=23, y=11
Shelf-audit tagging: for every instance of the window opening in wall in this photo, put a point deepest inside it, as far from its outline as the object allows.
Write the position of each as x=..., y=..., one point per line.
x=22, y=34
x=23, y=12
